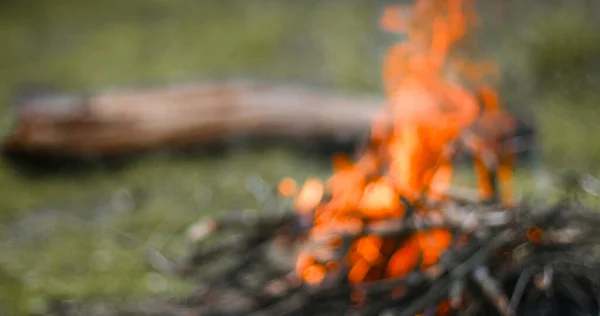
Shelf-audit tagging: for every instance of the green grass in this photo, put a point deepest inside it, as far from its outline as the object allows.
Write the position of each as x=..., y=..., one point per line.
x=559, y=65
x=93, y=247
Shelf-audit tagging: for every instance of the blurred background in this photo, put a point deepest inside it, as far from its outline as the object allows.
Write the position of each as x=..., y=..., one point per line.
x=84, y=236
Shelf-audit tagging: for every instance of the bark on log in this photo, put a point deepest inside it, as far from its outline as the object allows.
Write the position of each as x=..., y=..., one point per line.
x=127, y=121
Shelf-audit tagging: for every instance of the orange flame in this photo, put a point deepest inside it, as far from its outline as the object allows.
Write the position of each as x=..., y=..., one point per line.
x=428, y=109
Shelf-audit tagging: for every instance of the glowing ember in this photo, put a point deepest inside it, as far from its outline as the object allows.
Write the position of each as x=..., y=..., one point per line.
x=429, y=114
x=287, y=187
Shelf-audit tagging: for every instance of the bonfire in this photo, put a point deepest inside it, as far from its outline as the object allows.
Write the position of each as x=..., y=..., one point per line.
x=386, y=233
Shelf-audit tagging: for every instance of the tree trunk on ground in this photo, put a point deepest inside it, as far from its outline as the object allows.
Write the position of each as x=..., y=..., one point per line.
x=126, y=121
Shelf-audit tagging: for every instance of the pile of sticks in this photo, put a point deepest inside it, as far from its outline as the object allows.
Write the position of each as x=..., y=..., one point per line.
x=523, y=260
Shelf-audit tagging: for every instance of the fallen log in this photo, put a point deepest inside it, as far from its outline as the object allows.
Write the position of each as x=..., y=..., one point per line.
x=128, y=121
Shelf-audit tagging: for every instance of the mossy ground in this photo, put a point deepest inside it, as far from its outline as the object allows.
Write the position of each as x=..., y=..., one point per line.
x=78, y=237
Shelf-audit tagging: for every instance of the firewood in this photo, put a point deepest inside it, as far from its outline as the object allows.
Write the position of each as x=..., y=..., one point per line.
x=472, y=277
